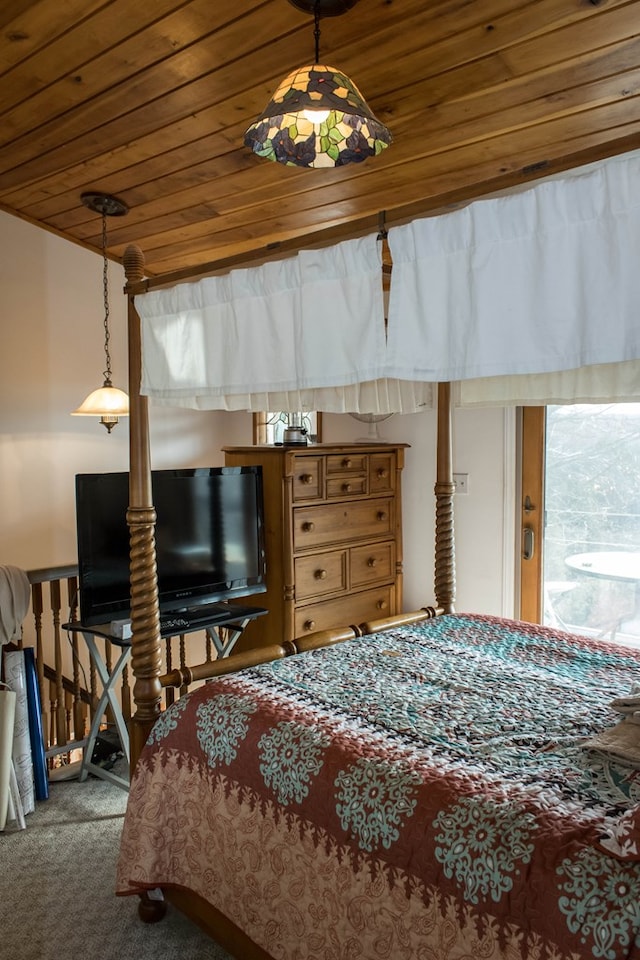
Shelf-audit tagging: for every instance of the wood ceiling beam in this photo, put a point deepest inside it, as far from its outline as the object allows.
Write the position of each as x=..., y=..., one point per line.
x=442, y=203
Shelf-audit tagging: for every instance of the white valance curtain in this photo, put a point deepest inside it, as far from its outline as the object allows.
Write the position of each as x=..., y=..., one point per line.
x=306, y=333
x=599, y=383
x=543, y=280
x=527, y=297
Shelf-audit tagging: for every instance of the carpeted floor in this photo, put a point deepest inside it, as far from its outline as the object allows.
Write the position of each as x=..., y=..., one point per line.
x=57, y=881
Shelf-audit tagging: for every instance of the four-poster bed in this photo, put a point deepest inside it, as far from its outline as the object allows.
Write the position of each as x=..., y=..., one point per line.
x=145, y=618
x=146, y=647
x=421, y=786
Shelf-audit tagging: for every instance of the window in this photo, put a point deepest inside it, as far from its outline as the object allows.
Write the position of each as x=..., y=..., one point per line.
x=269, y=427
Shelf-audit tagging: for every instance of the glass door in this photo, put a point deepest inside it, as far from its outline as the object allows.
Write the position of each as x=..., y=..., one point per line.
x=588, y=552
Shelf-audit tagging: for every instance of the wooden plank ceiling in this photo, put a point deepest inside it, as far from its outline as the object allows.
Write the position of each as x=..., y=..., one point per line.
x=150, y=101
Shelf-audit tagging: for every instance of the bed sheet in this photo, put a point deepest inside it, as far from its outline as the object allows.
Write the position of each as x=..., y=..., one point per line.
x=421, y=793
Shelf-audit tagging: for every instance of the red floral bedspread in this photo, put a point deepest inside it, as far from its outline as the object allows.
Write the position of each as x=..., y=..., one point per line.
x=421, y=794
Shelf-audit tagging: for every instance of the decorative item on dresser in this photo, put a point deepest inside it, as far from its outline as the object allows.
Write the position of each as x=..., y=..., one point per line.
x=333, y=522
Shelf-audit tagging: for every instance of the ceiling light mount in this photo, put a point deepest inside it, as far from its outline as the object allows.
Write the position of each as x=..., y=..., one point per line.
x=107, y=402
x=325, y=8
x=104, y=204
x=317, y=117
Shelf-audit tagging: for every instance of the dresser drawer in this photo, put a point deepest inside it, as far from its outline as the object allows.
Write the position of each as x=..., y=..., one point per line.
x=382, y=472
x=316, y=526
x=375, y=562
x=353, y=608
x=307, y=478
x=347, y=463
x=346, y=486
x=321, y=574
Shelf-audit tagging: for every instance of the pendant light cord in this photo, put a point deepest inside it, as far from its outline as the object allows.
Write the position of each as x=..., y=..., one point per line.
x=316, y=32
x=105, y=288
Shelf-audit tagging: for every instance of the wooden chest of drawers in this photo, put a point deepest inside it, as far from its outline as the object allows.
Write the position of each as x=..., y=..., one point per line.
x=333, y=536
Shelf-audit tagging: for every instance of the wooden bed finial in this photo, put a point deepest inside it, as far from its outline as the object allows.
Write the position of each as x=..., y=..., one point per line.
x=146, y=653
x=133, y=263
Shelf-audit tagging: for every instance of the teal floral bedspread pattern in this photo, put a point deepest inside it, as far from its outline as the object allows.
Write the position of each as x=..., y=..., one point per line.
x=436, y=773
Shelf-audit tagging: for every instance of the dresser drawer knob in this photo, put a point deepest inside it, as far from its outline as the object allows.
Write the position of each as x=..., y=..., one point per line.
x=320, y=574
x=382, y=514
x=346, y=463
x=308, y=526
x=309, y=625
x=381, y=604
x=371, y=562
x=307, y=478
x=346, y=488
x=383, y=473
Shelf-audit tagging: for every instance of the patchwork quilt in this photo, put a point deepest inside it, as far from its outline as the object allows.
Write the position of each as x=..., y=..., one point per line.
x=426, y=793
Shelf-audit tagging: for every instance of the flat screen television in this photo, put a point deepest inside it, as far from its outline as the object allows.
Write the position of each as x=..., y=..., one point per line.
x=209, y=539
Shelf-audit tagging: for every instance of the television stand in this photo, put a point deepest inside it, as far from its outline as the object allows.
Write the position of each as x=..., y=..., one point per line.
x=188, y=620
x=232, y=617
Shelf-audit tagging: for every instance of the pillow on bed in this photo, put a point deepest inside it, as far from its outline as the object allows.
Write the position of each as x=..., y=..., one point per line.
x=619, y=744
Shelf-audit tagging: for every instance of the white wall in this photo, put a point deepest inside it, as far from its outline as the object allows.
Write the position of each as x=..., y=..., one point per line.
x=52, y=356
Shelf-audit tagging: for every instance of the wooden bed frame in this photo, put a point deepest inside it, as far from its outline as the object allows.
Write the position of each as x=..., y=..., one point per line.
x=146, y=656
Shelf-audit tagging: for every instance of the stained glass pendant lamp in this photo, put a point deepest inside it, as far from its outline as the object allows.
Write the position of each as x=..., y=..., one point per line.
x=317, y=117
x=107, y=402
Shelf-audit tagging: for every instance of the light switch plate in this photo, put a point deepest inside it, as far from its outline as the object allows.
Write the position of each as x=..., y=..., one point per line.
x=461, y=481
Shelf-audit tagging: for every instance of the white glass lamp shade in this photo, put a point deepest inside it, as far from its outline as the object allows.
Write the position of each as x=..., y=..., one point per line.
x=109, y=403
x=317, y=118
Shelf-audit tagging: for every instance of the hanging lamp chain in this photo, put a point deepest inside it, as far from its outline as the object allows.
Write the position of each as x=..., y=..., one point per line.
x=105, y=288
x=316, y=31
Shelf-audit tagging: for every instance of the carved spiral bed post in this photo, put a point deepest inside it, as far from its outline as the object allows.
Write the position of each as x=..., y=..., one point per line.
x=445, y=576
x=146, y=653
